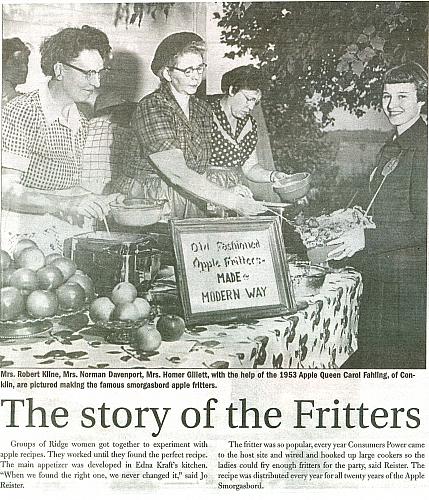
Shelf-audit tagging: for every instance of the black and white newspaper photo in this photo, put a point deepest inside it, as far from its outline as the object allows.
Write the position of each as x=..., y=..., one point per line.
x=213, y=262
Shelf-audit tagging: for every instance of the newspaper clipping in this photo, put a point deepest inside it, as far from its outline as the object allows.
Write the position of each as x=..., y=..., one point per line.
x=213, y=249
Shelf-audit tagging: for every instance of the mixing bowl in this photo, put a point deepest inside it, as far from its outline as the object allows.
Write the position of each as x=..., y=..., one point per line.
x=293, y=187
x=137, y=212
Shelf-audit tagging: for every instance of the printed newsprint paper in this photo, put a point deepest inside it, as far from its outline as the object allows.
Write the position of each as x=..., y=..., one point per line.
x=256, y=407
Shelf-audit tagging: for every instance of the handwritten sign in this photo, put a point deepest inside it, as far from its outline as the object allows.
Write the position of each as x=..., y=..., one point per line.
x=231, y=268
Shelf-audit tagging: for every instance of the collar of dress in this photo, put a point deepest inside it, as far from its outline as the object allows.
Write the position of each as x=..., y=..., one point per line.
x=168, y=95
x=183, y=101
x=52, y=110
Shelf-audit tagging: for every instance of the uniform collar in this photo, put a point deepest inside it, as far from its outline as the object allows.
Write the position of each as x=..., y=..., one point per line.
x=52, y=110
x=413, y=134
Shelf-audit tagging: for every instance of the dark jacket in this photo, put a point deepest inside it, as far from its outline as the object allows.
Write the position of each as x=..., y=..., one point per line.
x=394, y=269
x=400, y=207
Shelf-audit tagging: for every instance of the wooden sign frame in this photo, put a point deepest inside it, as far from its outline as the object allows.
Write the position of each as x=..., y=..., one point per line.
x=231, y=269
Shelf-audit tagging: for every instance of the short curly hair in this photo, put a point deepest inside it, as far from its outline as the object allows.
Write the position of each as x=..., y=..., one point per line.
x=12, y=45
x=68, y=43
x=410, y=72
x=243, y=78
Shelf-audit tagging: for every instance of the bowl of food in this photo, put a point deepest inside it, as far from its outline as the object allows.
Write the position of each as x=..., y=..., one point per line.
x=319, y=254
x=318, y=232
x=307, y=279
x=119, y=332
x=137, y=212
x=293, y=187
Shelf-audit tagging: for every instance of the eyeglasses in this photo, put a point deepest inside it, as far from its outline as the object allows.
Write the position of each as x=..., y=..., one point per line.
x=89, y=73
x=190, y=71
x=251, y=100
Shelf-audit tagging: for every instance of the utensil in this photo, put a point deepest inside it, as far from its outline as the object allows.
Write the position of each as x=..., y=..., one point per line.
x=352, y=199
x=106, y=225
x=279, y=215
x=387, y=169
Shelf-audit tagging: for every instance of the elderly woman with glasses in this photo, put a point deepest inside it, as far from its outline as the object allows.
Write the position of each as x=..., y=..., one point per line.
x=174, y=127
x=43, y=135
x=234, y=131
x=392, y=325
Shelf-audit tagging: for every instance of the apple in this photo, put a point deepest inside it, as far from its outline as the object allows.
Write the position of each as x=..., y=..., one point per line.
x=126, y=312
x=11, y=303
x=19, y=247
x=101, y=309
x=66, y=266
x=146, y=338
x=51, y=257
x=49, y=277
x=85, y=282
x=25, y=280
x=42, y=303
x=5, y=275
x=31, y=258
x=143, y=307
x=171, y=327
x=123, y=293
x=71, y=296
x=5, y=260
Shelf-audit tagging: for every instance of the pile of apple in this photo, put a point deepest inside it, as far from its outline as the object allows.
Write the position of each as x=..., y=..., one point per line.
x=122, y=305
x=36, y=285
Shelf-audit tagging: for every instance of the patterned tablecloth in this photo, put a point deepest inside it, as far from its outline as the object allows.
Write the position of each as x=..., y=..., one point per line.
x=323, y=335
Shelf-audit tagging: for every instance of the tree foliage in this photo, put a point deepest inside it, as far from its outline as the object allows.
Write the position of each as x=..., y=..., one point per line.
x=131, y=13
x=318, y=56
x=332, y=51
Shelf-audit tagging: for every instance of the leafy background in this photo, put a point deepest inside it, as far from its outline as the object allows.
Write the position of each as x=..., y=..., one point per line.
x=318, y=56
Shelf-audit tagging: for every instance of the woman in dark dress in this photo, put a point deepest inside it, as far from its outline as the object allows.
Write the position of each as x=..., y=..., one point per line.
x=392, y=330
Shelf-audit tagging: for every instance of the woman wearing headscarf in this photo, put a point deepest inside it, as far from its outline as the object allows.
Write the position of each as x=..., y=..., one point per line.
x=174, y=127
x=392, y=328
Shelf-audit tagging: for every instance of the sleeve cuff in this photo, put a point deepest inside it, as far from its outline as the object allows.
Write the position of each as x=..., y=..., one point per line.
x=15, y=162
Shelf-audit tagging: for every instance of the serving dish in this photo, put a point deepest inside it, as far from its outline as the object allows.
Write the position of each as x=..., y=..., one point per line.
x=25, y=326
x=307, y=279
x=319, y=254
x=137, y=212
x=293, y=187
x=317, y=232
x=119, y=332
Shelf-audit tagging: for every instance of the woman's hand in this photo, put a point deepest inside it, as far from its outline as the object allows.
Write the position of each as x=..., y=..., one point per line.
x=249, y=206
x=348, y=244
x=92, y=206
x=241, y=190
x=276, y=176
x=244, y=203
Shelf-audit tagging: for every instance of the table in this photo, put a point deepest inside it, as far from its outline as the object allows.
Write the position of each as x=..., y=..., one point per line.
x=323, y=335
